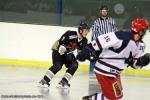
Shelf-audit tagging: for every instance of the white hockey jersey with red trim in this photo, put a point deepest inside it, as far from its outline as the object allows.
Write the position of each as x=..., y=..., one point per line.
x=115, y=47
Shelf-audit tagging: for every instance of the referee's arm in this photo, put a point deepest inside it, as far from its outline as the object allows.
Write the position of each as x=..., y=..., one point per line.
x=114, y=26
x=94, y=30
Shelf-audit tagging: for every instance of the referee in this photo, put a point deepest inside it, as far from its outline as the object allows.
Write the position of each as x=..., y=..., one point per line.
x=102, y=25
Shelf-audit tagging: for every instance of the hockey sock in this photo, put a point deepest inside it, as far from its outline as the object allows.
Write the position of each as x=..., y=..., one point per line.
x=100, y=96
x=67, y=77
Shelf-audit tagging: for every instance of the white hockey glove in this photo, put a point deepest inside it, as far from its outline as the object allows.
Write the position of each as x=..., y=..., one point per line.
x=62, y=49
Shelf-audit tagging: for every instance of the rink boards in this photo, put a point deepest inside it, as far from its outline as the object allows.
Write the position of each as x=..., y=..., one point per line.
x=82, y=67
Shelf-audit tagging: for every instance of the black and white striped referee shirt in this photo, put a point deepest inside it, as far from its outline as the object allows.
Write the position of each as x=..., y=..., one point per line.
x=103, y=26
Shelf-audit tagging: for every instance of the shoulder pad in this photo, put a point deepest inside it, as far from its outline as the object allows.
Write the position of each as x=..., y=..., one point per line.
x=71, y=32
x=122, y=35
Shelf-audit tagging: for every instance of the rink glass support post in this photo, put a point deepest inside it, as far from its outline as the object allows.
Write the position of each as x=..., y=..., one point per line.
x=58, y=11
x=92, y=64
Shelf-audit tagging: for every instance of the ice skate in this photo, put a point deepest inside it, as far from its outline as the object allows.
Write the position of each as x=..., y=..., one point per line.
x=63, y=84
x=43, y=84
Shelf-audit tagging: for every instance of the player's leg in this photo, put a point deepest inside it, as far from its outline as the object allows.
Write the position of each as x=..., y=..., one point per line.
x=57, y=65
x=72, y=67
x=111, y=89
x=50, y=73
x=95, y=96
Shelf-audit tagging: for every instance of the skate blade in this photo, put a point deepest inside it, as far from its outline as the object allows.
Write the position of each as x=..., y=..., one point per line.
x=42, y=86
x=61, y=87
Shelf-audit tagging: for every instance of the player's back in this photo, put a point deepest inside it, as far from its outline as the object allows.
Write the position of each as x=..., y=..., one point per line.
x=110, y=64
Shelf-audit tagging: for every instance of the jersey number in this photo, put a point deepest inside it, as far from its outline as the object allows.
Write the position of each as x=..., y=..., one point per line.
x=107, y=38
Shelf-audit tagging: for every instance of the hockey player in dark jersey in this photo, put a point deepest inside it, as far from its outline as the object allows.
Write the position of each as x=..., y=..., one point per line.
x=119, y=50
x=62, y=53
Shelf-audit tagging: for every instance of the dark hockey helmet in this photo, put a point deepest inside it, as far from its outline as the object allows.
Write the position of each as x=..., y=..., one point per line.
x=83, y=26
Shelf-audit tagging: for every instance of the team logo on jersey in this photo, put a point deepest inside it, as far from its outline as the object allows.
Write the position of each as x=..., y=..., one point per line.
x=72, y=44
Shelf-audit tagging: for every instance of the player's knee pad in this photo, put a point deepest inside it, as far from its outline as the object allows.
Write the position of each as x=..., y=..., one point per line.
x=74, y=65
x=70, y=57
x=56, y=67
x=72, y=68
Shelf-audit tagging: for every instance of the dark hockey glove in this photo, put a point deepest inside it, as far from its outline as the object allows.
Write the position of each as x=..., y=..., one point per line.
x=70, y=57
x=87, y=53
x=143, y=60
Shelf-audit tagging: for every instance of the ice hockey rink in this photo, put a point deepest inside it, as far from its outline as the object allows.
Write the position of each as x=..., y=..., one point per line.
x=20, y=83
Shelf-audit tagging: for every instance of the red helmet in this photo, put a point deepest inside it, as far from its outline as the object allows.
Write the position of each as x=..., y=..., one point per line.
x=139, y=24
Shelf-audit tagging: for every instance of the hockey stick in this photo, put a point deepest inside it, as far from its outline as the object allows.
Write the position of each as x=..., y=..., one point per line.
x=130, y=57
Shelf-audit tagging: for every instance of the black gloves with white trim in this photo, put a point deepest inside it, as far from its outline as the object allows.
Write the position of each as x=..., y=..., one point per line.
x=88, y=53
x=141, y=61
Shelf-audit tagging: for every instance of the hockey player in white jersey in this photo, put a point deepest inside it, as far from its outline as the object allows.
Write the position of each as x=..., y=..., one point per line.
x=117, y=51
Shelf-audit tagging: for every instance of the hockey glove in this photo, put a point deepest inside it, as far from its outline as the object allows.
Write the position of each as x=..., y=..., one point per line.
x=143, y=60
x=87, y=53
x=70, y=57
x=62, y=49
